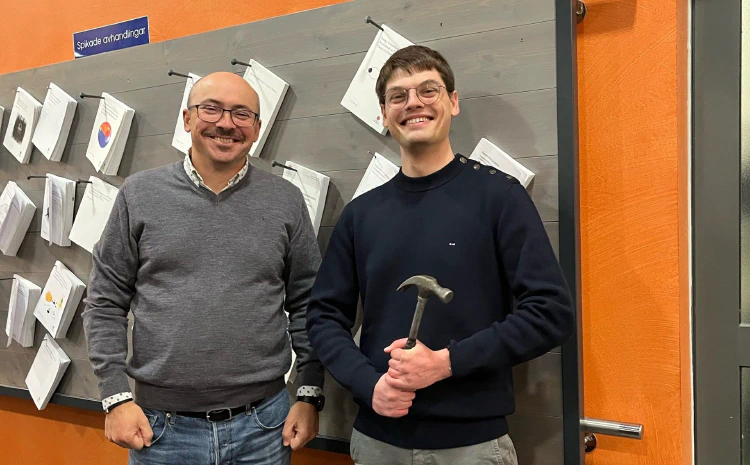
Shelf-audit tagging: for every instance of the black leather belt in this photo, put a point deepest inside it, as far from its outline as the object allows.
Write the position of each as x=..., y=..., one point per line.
x=221, y=414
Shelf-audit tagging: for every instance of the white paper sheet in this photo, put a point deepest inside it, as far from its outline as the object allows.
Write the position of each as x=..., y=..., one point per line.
x=51, y=306
x=55, y=121
x=45, y=374
x=59, y=300
x=109, y=134
x=314, y=188
x=57, y=213
x=489, y=154
x=271, y=90
x=16, y=213
x=20, y=325
x=360, y=97
x=92, y=216
x=182, y=140
x=24, y=117
x=379, y=171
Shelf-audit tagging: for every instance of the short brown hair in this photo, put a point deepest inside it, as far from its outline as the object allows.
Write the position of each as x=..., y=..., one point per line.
x=415, y=59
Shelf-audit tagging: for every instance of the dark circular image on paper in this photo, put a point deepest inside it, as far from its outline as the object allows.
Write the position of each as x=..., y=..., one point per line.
x=19, y=129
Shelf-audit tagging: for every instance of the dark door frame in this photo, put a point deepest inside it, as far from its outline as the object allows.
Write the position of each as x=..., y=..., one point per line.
x=567, y=148
x=717, y=335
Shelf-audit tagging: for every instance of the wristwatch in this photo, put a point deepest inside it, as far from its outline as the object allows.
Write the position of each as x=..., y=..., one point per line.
x=318, y=401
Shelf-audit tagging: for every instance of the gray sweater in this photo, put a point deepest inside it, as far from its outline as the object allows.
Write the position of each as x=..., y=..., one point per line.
x=208, y=278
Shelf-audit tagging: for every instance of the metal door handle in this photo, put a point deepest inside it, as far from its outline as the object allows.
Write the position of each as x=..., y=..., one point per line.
x=612, y=428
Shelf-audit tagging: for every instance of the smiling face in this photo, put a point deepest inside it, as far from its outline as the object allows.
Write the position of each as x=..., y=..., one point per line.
x=222, y=142
x=418, y=125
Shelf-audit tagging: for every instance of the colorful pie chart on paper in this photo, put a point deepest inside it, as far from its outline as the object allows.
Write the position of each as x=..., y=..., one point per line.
x=105, y=132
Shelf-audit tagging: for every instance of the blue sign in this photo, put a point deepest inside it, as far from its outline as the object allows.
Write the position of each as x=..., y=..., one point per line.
x=113, y=37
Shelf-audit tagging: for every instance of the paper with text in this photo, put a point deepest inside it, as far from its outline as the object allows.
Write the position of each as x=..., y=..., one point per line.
x=59, y=300
x=55, y=121
x=489, y=154
x=24, y=117
x=182, y=140
x=314, y=188
x=360, y=98
x=23, y=298
x=271, y=90
x=109, y=134
x=46, y=371
x=57, y=213
x=379, y=171
x=93, y=213
x=16, y=213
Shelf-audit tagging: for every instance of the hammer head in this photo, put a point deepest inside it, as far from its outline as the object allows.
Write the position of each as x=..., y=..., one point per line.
x=427, y=285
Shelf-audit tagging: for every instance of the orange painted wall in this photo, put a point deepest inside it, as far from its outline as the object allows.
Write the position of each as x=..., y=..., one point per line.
x=68, y=436
x=40, y=32
x=632, y=77
x=61, y=435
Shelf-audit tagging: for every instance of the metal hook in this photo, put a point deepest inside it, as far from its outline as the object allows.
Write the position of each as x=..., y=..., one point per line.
x=580, y=11
x=368, y=20
x=81, y=181
x=175, y=73
x=91, y=96
x=235, y=61
x=275, y=163
x=36, y=177
x=7, y=279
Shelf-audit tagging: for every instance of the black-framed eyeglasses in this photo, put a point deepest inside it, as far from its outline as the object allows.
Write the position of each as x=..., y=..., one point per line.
x=428, y=92
x=241, y=117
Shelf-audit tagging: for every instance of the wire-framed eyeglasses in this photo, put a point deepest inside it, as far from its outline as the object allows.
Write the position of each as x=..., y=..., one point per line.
x=241, y=117
x=427, y=92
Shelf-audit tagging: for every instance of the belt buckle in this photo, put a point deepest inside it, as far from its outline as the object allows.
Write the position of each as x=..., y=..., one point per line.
x=216, y=415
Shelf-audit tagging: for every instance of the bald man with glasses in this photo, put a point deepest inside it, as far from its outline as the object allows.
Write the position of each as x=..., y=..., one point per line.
x=207, y=253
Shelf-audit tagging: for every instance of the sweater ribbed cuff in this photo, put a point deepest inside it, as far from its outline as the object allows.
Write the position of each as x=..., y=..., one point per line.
x=311, y=377
x=113, y=382
x=363, y=384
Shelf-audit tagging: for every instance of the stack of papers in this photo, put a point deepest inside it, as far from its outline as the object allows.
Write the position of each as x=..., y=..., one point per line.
x=57, y=215
x=51, y=133
x=271, y=90
x=379, y=171
x=16, y=213
x=182, y=140
x=93, y=214
x=45, y=374
x=20, y=323
x=109, y=134
x=59, y=300
x=314, y=187
x=489, y=154
x=23, y=119
x=360, y=97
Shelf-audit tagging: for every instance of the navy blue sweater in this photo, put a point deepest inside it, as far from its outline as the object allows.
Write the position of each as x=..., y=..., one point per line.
x=478, y=233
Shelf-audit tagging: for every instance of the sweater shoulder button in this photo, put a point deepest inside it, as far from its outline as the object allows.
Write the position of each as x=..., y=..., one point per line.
x=477, y=166
x=463, y=159
x=493, y=171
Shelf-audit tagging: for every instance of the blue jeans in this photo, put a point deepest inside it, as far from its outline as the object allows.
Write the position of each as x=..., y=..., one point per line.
x=250, y=438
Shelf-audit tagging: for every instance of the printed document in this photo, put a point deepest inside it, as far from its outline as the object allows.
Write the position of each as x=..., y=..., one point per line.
x=89, y=223
x=489, y=154
x=360, y=97
x=271, y=90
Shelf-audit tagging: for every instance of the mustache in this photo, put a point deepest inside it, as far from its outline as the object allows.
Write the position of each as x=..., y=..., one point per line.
x=220, y=132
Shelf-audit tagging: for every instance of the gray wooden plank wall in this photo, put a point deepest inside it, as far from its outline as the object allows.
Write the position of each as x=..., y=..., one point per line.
x=503, y=55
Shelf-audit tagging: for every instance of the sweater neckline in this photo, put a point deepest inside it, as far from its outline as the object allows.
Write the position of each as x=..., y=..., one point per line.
x=209, y=193
x=432, y=181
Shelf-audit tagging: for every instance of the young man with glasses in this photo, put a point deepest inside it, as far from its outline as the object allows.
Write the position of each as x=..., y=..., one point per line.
x=207, y=253
x=477, y=232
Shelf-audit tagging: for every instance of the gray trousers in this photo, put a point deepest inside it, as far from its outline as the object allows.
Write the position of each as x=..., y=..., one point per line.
x=368, y=451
